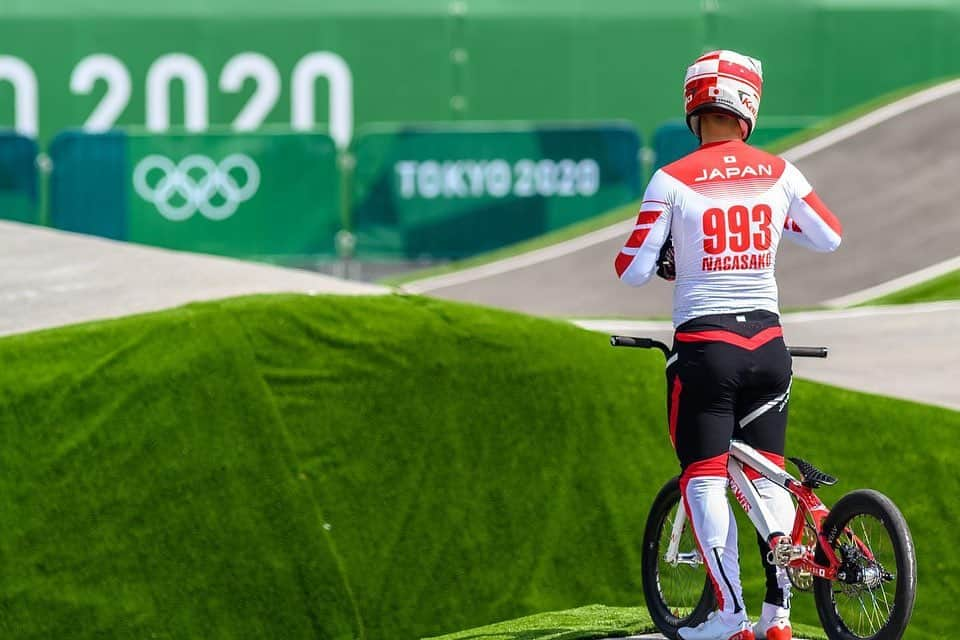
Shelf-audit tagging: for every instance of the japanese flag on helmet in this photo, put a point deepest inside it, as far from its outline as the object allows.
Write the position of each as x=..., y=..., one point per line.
x=724, y=81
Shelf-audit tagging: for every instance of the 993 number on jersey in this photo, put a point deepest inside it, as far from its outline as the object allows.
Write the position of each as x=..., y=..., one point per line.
x=737, y=238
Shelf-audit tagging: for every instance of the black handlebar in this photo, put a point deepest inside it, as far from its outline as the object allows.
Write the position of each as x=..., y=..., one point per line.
x=648, y=343
x=640, y=343
x=809, y=352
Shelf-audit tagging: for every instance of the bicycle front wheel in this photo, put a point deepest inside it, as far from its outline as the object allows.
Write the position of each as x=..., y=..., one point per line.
x=675, y=584
x=872, y=597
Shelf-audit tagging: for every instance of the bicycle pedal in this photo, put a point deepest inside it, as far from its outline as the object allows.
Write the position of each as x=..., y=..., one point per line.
x=784, y=552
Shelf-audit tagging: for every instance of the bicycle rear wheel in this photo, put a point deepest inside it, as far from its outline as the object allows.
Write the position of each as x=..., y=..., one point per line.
x=872, y=597
x=677, y=592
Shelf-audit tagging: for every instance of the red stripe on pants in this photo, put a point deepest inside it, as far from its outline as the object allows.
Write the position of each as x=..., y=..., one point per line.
x=675, y=409
x=729, y=337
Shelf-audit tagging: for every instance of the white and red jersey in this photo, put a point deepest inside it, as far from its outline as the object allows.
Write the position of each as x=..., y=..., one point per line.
x=726, y=205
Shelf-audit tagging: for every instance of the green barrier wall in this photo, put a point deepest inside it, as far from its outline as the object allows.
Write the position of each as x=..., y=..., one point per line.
x=344, y=63
x=453, y=192
x=19, y=184
x=250, y=195
x=88, y=184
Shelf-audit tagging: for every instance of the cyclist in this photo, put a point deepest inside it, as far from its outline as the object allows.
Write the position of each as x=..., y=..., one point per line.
x=712, y=222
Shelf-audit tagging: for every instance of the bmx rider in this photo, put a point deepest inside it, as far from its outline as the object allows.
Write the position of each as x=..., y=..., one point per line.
x=712, y=222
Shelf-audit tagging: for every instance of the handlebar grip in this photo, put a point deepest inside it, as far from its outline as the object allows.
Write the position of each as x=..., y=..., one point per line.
x=809, y=352
x=627, y=341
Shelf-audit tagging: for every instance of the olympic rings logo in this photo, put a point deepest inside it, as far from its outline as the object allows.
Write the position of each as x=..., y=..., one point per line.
x=196, y=184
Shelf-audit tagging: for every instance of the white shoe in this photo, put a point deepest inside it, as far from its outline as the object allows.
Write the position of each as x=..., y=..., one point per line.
x=718, y=627
x=774, y=624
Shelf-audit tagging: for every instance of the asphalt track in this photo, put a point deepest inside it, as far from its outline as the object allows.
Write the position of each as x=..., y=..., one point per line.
x=895, y=187
x=906, y=351
x=52, y=278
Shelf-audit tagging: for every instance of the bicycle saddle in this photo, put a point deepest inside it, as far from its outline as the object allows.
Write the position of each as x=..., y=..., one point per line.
x=812, y=477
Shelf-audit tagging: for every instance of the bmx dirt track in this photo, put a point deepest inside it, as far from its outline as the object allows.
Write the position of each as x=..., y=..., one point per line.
x=893, y=185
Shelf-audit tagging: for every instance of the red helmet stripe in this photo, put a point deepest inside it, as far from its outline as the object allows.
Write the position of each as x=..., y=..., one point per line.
x=731, y=81
x=739, y=72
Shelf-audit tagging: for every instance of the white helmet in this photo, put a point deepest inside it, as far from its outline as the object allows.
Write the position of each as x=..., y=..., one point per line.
x=724, y=81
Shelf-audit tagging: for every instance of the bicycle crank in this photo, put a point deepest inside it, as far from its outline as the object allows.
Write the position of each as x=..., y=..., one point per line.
x=783, y=552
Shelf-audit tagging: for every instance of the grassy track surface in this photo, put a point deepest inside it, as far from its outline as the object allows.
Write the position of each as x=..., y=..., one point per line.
x=946, y=287
x=583, y=623
x=595, y=621
x=383, y=468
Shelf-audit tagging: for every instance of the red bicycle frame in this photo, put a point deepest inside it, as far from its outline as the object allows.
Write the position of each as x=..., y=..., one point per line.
x=810, y=509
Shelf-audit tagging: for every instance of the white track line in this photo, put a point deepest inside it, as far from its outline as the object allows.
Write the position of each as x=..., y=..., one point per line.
x=621, y=229
x=622, y=326
x=872, y=312
x=872, y=119
x=897, y=284
x=615, y=326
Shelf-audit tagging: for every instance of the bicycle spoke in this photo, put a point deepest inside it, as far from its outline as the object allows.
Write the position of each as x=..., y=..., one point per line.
x=866, y=535
x=865, y=604
x=872, y=595
x=877, y=552
x=886, y=602
x=680, y=583
x=874, y=619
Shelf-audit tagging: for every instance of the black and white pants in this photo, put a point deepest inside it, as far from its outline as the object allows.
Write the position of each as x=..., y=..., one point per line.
x=729, y=377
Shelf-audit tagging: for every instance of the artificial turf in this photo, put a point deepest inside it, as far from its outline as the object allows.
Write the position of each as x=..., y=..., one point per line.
x=945, y=287
x=381, y=468
x=583, y=623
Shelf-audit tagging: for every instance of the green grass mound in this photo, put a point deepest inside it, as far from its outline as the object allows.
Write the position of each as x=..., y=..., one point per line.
x=945, y=287
x=584, y=623
x=382, y=468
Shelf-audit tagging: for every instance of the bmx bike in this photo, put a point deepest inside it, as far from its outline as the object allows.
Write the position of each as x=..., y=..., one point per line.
x=857, y=558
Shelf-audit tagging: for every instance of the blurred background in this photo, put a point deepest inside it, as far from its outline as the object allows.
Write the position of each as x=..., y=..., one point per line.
x=400, y=133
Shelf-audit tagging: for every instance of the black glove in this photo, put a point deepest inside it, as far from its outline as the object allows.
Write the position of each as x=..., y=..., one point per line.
x=666, y=267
